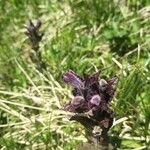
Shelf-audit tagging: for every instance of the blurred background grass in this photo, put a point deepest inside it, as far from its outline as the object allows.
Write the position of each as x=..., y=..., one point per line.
x=82, y=35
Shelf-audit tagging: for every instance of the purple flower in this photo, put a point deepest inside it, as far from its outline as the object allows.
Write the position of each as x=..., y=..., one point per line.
x=95, y=100
x=91, y=96
x=34, y=34
x=71, y=78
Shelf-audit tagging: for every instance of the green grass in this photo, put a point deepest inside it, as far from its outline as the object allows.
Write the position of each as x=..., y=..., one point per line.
x=82, y=35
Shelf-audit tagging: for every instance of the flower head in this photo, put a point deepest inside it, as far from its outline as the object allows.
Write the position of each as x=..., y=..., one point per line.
x=33, y=33
x=91, y=94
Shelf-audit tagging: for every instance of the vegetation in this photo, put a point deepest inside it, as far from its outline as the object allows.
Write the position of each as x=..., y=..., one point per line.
x=84, y=36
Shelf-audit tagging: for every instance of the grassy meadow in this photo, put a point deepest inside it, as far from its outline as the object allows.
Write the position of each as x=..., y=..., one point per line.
x=80, y=35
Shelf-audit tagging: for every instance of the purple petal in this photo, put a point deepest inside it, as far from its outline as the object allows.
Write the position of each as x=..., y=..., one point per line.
x=72, y=79
x=77, y=105
x=78, y=100
x=103, y=82
x=103, y=85
x=95, y=100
